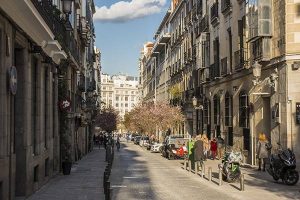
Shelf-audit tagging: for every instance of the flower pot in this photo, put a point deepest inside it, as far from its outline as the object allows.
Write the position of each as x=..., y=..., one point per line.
x=66, y=166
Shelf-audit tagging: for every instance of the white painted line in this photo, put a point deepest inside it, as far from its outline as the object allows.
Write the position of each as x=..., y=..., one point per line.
x=142, y=192
x=119, y=186
x=132, y=177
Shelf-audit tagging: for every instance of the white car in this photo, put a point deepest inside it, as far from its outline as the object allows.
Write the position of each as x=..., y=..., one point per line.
x=155, y=148
x=144, y=142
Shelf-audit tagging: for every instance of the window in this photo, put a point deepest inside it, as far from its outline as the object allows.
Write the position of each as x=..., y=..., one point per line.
x=110, y=102
x=126, y=105
x=243, y=110
x=34, y=112
x=46, y=106
x=126, y=98
x=117, y=98
x=117, y=104
x=132, y=92
x=216, y=110
x=47, y=167
x=206, y=110
x=104, y=88
x=110, y=94
x=132, y=98
x=121, y=104
x=228, y=109
x=36, y=174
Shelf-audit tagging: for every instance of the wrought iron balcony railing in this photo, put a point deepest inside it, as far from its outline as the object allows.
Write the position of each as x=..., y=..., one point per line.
x=225, y=6
x=203, y=24
x=52, y=17
x=214, y=15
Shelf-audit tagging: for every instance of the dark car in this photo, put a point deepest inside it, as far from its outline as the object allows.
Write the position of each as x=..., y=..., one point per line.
x=137, y=140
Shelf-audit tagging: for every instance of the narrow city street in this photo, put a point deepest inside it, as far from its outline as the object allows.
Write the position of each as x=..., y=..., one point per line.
x=140, y=174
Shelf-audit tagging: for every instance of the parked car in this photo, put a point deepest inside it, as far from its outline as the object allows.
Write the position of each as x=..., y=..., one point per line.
x=144, y=141
x=172, y=147
x=133, y=135
x=155, y=148
x=137, y=140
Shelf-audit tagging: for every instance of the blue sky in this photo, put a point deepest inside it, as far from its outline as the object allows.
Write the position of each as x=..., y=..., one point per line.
x=120, y=34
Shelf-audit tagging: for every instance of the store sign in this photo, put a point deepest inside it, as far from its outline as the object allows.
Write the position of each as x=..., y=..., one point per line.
x=65, y=105
x=13, y=81
x=297, y=113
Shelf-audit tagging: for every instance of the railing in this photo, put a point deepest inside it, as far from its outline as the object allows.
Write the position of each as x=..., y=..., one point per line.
x=225, y=6
x=81, y=84
x=203, y=24
x=239, y=59
x=91, y=86
x=214, y=15
x=52, y=17
x=224, y=66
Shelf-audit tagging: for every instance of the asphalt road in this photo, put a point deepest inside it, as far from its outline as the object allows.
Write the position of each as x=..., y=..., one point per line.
x=139, y=174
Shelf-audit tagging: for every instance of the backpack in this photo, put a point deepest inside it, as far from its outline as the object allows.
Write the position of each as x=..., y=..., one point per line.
x=268, y=146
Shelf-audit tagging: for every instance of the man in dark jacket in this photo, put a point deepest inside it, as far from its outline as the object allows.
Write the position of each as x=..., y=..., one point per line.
x=198, y=153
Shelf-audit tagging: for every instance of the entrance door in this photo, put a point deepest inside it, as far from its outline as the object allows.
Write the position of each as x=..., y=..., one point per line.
x=266, y=128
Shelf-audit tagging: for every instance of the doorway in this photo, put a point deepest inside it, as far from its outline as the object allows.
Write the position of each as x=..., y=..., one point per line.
x=266, y=128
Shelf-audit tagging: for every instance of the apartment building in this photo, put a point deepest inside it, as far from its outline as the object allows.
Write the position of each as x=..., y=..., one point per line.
x=44, y=45
x=120, y=92
x=232, y=68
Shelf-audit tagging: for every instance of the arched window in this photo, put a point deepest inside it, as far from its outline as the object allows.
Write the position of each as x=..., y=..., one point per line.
x=228, y=109
x=206, y=111
x=217, y=110
x=243, y=110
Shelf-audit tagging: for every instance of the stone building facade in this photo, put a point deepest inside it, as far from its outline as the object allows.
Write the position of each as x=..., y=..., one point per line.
x=37, y=41
x=216, y=47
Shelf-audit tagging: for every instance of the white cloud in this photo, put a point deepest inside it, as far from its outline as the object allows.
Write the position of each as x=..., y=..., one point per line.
x=123, y=11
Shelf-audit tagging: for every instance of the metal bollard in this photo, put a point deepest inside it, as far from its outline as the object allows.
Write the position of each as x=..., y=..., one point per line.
x=202, y=170
x=220, y=176
x=185, y=164
x=242, y=182
x=107, y=196
x=197, y=167
x=190, y=166
x=209, y=173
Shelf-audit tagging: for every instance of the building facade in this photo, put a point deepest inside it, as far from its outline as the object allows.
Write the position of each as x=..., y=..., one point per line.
x=42, y=45
x=120, y=92
x=240, y=60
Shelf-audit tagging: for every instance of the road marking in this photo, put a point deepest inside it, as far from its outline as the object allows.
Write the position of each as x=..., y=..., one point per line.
x=118, y=186
x=131, y=177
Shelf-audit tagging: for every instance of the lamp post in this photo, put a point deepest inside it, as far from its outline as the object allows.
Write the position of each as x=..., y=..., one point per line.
x=67, y=9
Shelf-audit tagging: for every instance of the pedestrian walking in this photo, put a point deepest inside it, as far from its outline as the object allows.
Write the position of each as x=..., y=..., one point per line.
x=213, y=148
x=263, y=148
x=220, y=145
x=205, y=146
x=105, y=141
x=199, y=150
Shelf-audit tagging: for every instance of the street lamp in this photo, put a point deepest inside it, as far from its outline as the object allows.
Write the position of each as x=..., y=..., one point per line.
x=67, y=9
x=195, y=103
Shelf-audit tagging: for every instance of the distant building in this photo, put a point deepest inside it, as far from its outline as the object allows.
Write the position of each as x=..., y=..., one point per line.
x=119, y=92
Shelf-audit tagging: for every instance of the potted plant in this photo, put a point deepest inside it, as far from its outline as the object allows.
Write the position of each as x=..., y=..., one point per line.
x=67, y=158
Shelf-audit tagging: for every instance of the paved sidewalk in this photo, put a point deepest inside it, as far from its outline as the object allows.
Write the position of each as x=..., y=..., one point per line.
x=84, y=182
x=258, y=184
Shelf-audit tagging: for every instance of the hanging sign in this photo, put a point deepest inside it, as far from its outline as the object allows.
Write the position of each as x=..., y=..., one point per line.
x=297, y=112
x=13, y=81
x=65, y=105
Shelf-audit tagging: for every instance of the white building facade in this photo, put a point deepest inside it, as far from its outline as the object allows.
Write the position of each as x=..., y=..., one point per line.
x=119, y=92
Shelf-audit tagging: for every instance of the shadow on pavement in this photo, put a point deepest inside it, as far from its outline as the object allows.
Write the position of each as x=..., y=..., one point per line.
x=130, y=176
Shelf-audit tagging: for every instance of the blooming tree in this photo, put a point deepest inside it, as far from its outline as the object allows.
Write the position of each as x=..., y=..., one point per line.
x=146, y=117
x=107, y=119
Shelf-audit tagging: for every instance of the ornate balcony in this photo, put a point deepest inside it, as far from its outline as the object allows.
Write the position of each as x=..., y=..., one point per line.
x=52, y=17
x=214, y=15
x=239, y=59
x=204, y=24
x=226, y=7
